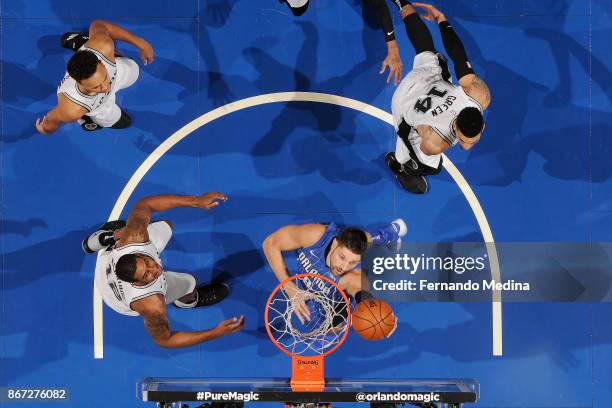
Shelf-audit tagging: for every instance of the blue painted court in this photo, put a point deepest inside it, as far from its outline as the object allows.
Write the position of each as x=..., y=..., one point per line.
x=540, y=173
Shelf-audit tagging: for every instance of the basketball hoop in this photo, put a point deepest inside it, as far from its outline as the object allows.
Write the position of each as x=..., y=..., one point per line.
x=308, y=343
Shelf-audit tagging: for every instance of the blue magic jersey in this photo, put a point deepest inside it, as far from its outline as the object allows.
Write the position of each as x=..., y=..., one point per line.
x=312, y=260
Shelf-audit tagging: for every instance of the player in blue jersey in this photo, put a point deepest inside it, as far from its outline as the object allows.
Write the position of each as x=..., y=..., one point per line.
x=328, y=250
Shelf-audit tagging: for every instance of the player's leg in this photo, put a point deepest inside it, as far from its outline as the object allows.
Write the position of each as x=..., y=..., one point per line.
x=297, y=7
x=124, y=121
x=182, y=291
x=109, y=115
x=390, y=233
x=128, y=72
x=408, y=166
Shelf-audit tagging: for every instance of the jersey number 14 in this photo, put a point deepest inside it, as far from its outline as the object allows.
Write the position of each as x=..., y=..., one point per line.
x=423, y=105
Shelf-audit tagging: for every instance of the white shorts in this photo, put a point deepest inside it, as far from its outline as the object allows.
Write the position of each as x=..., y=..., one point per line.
x=109, y=113
x=179, y=285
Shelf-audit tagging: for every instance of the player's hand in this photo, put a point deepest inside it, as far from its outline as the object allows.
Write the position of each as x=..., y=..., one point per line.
x=209, y=200
x=230, y=326
x=394, y=62
x=298, y=299
x=432, y=14
x=146, y=52
x=40, y=126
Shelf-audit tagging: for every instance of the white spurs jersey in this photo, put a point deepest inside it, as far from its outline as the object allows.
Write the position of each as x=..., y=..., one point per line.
x=119, y=294
x=70, y=89
x=436, y=104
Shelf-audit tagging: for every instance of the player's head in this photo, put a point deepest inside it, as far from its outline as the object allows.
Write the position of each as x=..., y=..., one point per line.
x=140, y=269
x=346, y=250
x=469, y=124
x=89, y=72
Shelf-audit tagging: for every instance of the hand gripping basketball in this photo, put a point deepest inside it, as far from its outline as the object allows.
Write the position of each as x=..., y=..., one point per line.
x=373, y=319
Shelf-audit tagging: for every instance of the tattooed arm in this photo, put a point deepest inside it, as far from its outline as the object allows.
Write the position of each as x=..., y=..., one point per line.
x=153, y=311
x=477, y=89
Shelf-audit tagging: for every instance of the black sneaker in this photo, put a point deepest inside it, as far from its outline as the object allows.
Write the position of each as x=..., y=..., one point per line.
x=74, y=41
x=212, y=294
x=392, y=163
x=97, y=241
x=124, y=121
x=412, y=183
x=113, y=225
x=88, y=124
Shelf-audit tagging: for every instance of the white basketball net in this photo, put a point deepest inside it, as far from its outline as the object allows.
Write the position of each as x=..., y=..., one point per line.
x=328, y=318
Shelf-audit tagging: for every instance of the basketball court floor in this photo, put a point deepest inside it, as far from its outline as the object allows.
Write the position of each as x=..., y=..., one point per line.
x=260, y=91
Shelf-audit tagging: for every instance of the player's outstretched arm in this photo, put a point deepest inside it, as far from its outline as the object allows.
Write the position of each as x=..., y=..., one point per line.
x=393, y=60
x=473, y=85
x=153, y=311
x=65, y=111
x=289, y=238
x=140, y=216
x=452, y=44
x=102, y=35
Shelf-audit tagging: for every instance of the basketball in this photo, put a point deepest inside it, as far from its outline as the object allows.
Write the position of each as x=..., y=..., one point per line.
x=374, y=319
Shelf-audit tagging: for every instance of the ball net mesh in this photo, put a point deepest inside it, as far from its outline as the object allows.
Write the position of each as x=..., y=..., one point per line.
x=329, y=316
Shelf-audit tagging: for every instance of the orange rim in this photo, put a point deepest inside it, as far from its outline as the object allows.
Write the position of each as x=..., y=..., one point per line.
x=312, y=275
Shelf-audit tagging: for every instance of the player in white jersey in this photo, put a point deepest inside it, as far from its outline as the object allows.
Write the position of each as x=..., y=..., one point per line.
x=94, y=74
x=431, y=113
x=132, y=280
